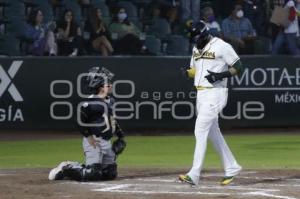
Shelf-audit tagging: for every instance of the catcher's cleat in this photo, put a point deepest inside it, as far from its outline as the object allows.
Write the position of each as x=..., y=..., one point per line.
x=227, y=180
x=57, y=172
x=187, y=179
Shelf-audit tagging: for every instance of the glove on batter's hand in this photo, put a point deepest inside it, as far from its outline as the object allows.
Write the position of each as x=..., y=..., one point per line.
x=212, y=77
x=118, y=146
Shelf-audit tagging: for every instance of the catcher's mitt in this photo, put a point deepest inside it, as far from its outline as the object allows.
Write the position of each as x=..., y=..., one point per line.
x=118, y=146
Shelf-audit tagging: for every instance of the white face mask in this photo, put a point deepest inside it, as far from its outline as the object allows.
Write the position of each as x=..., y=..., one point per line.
x=122, y=16
x=239, y=14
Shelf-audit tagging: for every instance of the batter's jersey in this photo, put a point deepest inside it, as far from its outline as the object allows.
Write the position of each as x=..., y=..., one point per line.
x=216, y=56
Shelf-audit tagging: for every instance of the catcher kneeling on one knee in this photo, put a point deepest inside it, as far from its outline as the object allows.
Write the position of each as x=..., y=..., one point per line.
x=98, y=125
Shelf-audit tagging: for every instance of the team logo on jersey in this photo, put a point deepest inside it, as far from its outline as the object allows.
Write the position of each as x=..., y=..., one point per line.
x=205, y=55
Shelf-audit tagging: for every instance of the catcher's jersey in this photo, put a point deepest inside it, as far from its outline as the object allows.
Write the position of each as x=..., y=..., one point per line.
x=97, y=118
x=216, y=56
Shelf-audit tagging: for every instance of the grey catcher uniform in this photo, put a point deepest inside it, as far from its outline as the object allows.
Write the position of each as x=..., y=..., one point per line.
x=97, y=124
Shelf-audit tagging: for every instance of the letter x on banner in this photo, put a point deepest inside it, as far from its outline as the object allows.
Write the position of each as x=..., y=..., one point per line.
x=6, y=81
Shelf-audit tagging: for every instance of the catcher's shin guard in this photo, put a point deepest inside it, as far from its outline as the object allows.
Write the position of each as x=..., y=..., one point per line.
x=109, y=171
x=92, y=172
x=73, y=172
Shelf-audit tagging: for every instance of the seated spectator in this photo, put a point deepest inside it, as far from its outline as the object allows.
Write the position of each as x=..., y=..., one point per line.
x=210, y=20
x=98, y=33
x=289, y=33
x=126, y=34
x=69, y=36
x=173, y=18
x=40, y=36
x=238, y=31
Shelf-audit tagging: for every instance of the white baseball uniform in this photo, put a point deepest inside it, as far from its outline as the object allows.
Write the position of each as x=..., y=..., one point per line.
x=216, y=56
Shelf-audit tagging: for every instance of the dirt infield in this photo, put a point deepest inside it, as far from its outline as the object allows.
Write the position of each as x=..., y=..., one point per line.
x=151, y=183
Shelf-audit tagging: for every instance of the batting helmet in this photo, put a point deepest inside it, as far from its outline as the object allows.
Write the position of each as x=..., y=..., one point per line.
x=200, y=34
x=96, y=78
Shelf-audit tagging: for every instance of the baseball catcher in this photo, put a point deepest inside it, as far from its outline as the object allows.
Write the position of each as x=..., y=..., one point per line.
x=97, y=124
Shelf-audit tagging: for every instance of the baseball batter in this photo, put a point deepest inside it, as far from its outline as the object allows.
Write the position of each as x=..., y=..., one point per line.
x=212, y=63
x=97, y=126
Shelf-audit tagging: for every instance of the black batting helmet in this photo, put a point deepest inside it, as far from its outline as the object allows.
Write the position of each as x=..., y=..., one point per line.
x=96, y=78
x=200, y=34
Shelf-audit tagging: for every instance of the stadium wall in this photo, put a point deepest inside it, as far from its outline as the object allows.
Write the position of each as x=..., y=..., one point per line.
x=44, y=93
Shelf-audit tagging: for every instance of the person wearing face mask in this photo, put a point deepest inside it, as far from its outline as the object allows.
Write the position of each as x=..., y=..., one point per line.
x=125, y=34
x=211, y=23
x=238, y=31
x=289, y=33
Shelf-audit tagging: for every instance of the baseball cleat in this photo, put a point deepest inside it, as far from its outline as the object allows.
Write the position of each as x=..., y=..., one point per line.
x=187, y=179
x=227, y=180
x=57, y=172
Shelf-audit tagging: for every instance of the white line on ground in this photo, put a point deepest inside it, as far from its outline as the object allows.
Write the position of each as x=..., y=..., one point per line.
x=113, y=188
x=164, y=192
x=167, y=185
x=259, y=193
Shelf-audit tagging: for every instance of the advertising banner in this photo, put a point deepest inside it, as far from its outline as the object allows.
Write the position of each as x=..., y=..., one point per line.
x=150, y=92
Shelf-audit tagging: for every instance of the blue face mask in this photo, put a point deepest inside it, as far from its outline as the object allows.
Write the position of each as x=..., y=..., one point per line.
x=211, y=18
x=122, y=16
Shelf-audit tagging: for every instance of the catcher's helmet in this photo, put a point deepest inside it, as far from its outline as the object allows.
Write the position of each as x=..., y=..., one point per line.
x=97, y=78
x=200, y=34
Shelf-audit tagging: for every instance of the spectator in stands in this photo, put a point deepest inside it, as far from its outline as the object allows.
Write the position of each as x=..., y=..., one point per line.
x=255, y=11
x=69, y=36
x=98, y=33
x=153, y=11
x=289, y=33
x=40, y=36
x=190, y=9
x=210, y=20
x=173, y=18
x=238, y=31
x=126, y=34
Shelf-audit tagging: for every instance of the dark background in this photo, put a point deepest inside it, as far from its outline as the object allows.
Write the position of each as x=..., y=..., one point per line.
x=149, y=74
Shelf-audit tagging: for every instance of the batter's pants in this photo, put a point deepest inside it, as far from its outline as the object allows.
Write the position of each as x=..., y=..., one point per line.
x=210, y=103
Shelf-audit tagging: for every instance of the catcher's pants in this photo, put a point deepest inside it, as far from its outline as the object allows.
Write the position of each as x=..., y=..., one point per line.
x=102, y=154
x=210, y=103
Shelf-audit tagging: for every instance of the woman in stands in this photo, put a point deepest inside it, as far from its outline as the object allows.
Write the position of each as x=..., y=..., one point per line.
x=99, y=35
x=69, y=35
x=39, y=36
x=126, y=34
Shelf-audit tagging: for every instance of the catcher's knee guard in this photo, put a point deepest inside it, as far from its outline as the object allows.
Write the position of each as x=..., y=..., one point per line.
x=109, y=171
x=83, y=173
x=92, y=172
x=73, y=172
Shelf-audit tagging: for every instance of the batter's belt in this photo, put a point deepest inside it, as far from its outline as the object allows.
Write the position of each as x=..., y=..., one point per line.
x=199, y=88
